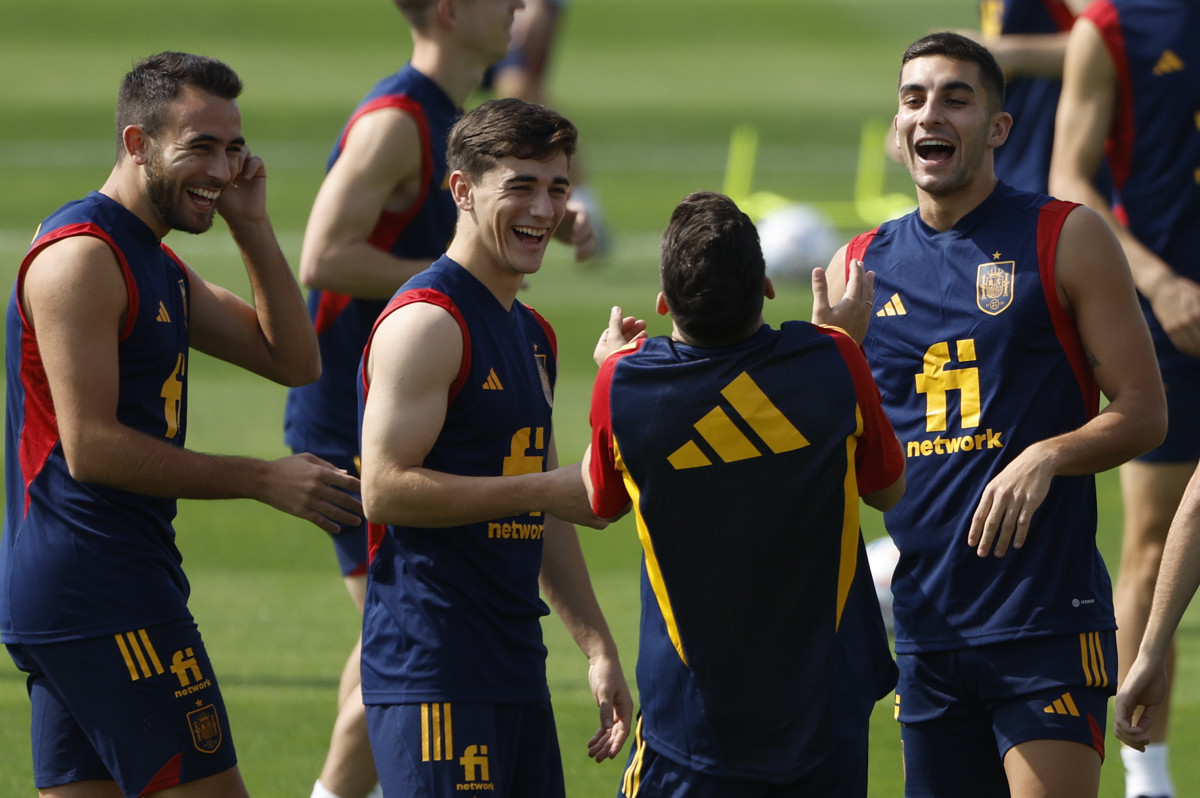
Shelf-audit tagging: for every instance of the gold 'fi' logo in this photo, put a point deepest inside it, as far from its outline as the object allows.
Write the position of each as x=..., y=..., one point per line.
x=994, y=286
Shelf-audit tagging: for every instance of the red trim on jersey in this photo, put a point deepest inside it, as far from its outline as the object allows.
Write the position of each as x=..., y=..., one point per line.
x=169, y=776
x=329, y=307
x=609, y=495
x=878, y=458
x=1119, y=146
x=1060, y=13
x=1050, y=221
x=376, y=532
x=546, y=328
x=857, y=248
x=39, y=430
x=391, y=224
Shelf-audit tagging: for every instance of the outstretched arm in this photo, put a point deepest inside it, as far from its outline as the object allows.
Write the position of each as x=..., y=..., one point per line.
x=568, y=589
x=1178, y=579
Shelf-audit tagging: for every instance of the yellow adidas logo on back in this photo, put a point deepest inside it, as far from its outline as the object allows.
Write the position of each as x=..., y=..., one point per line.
x=163, y=315
x=727, y=441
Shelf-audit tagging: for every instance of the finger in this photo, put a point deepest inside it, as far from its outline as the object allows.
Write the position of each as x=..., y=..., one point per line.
x=820, y=289
x=615, y=325
x=855, y=282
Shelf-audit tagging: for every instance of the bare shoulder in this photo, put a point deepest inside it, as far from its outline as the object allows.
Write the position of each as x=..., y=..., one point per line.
x=77, y=269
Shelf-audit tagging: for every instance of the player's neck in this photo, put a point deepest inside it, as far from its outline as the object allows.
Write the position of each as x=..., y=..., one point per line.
x=942, y=211
x=456, y=73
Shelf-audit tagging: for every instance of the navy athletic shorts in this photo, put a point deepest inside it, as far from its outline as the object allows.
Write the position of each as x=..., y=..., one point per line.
x=962, y=710
x=443, y=750
x=141, y=708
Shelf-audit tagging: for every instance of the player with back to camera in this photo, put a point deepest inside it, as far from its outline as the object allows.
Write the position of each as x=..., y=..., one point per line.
x=469, y=510
x=382, y=214
x=1131, y=91
x=93, y=601
x=1002, y=316
x=790, y=422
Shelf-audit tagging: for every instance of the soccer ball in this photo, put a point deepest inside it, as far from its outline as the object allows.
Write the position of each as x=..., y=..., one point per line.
x=882, y=556
x=795, y=240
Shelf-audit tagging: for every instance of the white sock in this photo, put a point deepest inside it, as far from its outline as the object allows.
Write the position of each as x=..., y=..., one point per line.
x=1146, y=773
x=319, y=791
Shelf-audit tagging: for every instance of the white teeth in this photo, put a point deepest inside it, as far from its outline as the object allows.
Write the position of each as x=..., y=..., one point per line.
x=530, y=231
x=934, y=143
x=206, y=193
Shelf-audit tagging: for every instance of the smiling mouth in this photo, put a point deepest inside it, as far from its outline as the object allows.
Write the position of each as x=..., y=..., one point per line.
x=530, y=234
x=207, y=195
x=936, y=150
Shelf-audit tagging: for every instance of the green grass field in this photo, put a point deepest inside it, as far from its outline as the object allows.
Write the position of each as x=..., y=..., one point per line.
x=656, y=87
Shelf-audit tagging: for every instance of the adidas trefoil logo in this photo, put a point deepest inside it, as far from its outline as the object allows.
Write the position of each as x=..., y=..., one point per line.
x=1168, y=62
x=163, y=315
x=492, y=383
x=893, y=307
x=1062, y=706
x=727, y=441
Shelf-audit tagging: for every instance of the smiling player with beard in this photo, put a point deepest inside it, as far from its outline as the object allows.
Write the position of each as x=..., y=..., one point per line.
x=93, y=599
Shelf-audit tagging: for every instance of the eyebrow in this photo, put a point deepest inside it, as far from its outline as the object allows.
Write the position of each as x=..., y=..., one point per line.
x=525, y=178
x=953, y=85
x=204, y=138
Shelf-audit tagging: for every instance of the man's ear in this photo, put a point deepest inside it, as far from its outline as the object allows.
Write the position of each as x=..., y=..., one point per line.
x=768, y=288
x=137, y=144
x=460, y=190
x=660, y=304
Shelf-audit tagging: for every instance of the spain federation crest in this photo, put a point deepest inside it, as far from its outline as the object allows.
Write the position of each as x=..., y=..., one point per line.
x=206, y=728
x=994, y=286
x=547, y=391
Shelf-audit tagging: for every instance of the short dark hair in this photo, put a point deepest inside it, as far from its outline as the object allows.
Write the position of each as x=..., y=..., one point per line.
x=712, y=270
x=506, y=128
x=961, y=48
x=156, y=80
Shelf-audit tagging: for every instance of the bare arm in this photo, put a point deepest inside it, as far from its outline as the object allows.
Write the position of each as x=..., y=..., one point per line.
x=272, y=336
x=379, y=168
x=1086, y=110
x=568, y=589
x=75, y=298
x=415, y=356
x=1178, y=579
x=1096, y=289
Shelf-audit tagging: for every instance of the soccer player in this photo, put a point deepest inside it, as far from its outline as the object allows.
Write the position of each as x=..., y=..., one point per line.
x=469, y=510
x=1028, y=39
x=1131, y=90
x=1004, y=316
x=382, y=214
x=745, y=450
x=93, y=601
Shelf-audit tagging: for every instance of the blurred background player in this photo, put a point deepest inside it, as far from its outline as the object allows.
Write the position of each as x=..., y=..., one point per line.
x=798, y=725
x=1028, y=39
x=1131, y=90
x=470, y=513
x=524, y=73
x=101, y=321
x=382, y=214
x=989, y=290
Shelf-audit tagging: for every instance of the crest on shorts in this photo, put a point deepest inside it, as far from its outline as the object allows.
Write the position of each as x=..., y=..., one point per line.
x=206, y=728
x=994, y=286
